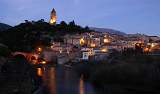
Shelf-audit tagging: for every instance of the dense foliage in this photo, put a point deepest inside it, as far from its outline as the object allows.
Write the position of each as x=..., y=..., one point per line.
x=26, y=36
x=4, y=27
x=17, y=76
x=127, y=70
x=4, y=51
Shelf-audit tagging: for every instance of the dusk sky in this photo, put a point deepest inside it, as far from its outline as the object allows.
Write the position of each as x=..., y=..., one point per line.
x=129, y=16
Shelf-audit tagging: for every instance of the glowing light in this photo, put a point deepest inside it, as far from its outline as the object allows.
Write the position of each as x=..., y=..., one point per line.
x=104, y=50
x=60, y=50
x=146, y=50
x=81, y=85
x=39, y=72
x=106, y=40
x=52, y=81
x=137, y=44
x=53, y=17
x=53, y=21
x=93, y=45
x=82, y=41
x=152, y=45
x=51, y=46
x=34, y=62
x=39, y=49
x=43, y=62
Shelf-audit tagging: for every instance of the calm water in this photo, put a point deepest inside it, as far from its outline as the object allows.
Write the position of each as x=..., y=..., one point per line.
x=63, y=81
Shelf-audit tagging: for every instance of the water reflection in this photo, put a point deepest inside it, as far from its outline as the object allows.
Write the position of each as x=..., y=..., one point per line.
x=60, y=80
x=49, y=80
x=63, y=81
x=81, y=85
x=52, y=81
x=39, y=72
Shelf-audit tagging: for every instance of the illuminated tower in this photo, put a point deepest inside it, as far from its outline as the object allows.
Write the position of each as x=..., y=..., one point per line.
x=53, y=18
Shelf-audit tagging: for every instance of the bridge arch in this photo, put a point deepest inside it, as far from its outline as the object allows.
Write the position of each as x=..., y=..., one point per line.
x=28, y=56
x=21, y=56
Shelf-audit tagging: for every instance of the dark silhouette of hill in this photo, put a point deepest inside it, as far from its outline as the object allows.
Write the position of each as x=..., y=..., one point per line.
x=111, y=31
x=4, y=27
x=27, y=36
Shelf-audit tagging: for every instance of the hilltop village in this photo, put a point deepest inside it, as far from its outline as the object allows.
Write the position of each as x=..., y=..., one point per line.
x=34, y=53
x=70, y=42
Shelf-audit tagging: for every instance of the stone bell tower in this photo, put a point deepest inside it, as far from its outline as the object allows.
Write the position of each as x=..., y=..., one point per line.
x=53, y=18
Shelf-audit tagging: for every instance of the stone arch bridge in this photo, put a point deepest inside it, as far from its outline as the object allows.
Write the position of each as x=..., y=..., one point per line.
x=28, y=56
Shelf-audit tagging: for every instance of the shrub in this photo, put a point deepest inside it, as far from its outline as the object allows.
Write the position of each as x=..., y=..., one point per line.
x=4, y=51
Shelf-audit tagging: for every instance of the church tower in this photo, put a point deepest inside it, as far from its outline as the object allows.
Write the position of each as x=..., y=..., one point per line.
x=53, y=18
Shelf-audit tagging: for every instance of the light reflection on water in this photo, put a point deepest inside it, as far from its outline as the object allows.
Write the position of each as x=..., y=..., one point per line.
x=63, y=81
x=81, y=85
x=39, y=72
x=49, y=80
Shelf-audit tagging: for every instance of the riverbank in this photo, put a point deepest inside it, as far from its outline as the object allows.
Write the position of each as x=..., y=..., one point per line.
x=17, y=76
x=131, y=73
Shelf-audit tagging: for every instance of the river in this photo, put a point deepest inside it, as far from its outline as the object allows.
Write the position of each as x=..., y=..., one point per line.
x=61, y=80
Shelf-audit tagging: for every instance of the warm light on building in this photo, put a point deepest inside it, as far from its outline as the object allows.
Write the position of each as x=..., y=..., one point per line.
x=53, y=21
x=152, y=45
x=60, y=50
x=34, y=62
x=93, y=45
x=53, y=18
x=146, y=49
x=52, y=47
x=106, y=40
x=43, y=62
x=138, y=44
x=39, y=49
x=82, y=41
x=104, y=50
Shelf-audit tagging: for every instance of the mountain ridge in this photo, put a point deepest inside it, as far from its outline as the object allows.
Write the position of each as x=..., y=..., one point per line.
x=108, y=30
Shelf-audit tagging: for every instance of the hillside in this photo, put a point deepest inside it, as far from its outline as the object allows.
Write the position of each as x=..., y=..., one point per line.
x=111, y=31
x=27, y=36
x=4, y=26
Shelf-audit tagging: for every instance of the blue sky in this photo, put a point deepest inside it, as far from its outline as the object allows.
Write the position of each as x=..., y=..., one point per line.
x=129, y=16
